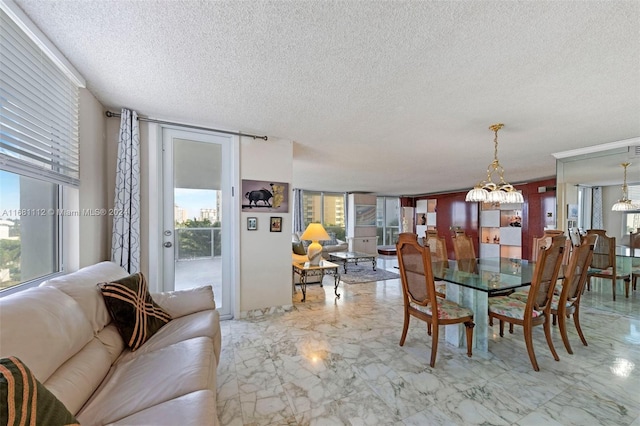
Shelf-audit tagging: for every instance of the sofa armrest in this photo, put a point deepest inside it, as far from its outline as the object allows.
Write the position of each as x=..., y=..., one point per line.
x=184, y=302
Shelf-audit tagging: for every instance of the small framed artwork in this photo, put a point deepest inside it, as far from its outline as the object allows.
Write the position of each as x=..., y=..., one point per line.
x=276, y=224
x=252, y=223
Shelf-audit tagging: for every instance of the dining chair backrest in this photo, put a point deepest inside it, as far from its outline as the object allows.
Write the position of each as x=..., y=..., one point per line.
x=604, y=252
x=437, y=246
x=575, y=273
x=634, y=239
x=414, y=262
x=463, y=247
x=545, y=275
x=545, y=241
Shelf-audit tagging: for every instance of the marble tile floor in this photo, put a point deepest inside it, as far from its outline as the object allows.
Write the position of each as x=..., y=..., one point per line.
x=335, y=361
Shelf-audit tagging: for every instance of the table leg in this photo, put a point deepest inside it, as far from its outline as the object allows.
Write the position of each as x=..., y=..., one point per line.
x=336, y=277
x=374, y=263
x=478, y=302
x=303, y=285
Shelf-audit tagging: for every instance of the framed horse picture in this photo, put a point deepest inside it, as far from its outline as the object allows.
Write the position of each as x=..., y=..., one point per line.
x=265, y=196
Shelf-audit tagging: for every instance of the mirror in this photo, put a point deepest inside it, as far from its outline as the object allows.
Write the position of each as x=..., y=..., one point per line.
x=579, y=172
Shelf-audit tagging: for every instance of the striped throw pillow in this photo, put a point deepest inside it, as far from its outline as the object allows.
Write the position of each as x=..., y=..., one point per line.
x=136, y=315
x=25, y=401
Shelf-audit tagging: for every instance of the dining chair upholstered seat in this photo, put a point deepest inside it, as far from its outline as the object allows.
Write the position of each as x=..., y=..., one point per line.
x=603, y=262
x=446, y=309
x=420, y=298
x=511, y=307
x=536, y=310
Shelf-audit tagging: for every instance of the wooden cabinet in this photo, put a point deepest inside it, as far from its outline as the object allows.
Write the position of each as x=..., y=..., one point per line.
x=367, y=245
x=361, y=226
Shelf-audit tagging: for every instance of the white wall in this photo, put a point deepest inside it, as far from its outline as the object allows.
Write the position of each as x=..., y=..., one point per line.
x=92, y=194
x=612, y=221
x=265, y=257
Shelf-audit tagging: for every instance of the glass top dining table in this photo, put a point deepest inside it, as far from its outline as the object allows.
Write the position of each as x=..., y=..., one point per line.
x=491, y=275
x=471, y=282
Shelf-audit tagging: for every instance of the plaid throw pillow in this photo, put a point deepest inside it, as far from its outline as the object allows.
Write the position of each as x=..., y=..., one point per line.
x=132, y=309
x=25, y=401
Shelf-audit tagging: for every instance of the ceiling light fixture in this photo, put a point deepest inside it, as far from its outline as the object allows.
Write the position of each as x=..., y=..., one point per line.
x=624, y=204
x=489, y=192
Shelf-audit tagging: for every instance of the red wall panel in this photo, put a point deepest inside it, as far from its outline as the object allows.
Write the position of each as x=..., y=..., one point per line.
x=453, y=211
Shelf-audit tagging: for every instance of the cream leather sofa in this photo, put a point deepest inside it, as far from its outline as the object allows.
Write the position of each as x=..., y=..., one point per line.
x=63, y=332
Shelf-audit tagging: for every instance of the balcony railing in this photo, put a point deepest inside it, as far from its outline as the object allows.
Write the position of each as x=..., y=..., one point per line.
x=197, y=243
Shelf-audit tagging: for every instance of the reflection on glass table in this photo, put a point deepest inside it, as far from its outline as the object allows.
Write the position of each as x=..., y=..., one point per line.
x=470, y=282
x=491, y=275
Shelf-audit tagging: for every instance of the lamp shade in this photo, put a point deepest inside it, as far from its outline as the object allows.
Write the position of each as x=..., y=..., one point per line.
x=315, y=232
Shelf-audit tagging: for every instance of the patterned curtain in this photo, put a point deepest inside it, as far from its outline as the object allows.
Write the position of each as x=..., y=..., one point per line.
x=125, y=244
x=298, y=217
x=596, y=219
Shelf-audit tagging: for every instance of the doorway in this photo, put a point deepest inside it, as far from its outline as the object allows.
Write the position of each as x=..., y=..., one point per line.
x=197, y=215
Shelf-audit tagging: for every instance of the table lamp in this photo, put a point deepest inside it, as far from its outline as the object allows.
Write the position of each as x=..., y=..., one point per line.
x=315, y=232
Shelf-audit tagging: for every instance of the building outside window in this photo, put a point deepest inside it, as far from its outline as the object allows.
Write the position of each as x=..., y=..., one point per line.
x=326, y=208
x=388, y=220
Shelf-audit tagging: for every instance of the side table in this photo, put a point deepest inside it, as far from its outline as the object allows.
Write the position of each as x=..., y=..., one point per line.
x=305, y=270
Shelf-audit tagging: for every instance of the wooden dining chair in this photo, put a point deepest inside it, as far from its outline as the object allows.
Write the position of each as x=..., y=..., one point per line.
x=545, y=240
x=634, y=244
x=603, y=262
x=537, y=309
x=567, y=303
x=438, y=248
x=465, y=253
x=419, y=294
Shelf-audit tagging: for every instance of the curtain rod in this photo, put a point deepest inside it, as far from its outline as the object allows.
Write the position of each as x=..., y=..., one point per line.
x=151, y=120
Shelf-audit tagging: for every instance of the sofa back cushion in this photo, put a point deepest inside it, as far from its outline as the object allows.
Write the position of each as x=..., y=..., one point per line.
x=76, y=380
x=43, y=327
x=82, y=286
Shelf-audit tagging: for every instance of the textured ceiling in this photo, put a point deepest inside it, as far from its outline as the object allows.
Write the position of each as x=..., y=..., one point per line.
x=390, y=97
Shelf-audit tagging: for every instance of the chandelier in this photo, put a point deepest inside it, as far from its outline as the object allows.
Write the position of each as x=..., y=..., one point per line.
x=624, y=204
x=489, y=192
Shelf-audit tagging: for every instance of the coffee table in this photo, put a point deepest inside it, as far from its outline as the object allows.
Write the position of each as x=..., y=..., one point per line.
x=305, y=270
x=352, y=257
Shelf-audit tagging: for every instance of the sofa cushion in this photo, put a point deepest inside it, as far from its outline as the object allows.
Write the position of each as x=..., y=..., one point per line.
x=112, y=340
x=298, y=248
x=133, y=310
x=179, y=303
x=81, y=286
x=75, y=380
x=25, y=401
x=199, y=324
x=43, y=327
x=151, y=379
x=193, y=409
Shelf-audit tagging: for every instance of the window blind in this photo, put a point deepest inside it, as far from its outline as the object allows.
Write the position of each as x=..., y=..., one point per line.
x=38, y=111
x=633, y=192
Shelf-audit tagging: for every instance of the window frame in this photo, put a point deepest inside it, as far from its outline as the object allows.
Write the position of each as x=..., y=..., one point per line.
x=67, y=226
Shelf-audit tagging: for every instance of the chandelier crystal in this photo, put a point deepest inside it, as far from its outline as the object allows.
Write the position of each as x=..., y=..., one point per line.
x=489, y=192
x=624, y=204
